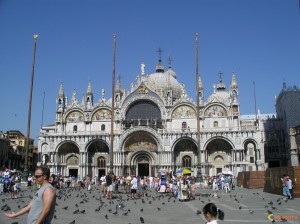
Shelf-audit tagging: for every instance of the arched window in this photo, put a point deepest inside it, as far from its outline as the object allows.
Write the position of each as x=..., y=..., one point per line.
x=183, y=125
x=103, y=127
x=216, y=124
x=101, y=162
x=75, y=128
x=186, y=161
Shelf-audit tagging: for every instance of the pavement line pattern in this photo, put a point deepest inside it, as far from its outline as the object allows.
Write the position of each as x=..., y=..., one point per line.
x=239, y=221
x=194, y=209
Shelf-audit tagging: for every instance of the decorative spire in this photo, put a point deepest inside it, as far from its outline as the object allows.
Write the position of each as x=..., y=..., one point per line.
x=200, y=84
x=103, y=94
x=159, y=67
x=61, y=90
x=89, y=89
x=143, y=68
x=83, y=101
x=233, y=81
x=284, y=85
x=221, y=86
x=118, y=84
x=74, y=99
x=170, y=61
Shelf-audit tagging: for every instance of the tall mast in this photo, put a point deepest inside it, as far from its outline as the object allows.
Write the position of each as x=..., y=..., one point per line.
x=35, y=36
x=111, y=156
x=198, y=109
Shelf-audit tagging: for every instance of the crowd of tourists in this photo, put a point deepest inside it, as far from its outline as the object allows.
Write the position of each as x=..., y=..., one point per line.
x=10, y=183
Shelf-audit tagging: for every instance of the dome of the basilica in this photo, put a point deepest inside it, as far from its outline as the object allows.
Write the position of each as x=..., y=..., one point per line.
x=159, y=82
x=220, y=96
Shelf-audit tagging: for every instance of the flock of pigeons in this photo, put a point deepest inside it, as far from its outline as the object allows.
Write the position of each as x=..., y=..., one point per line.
x=121, y=204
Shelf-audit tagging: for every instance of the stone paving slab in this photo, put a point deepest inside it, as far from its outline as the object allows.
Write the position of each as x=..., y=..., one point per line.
x=162, y=210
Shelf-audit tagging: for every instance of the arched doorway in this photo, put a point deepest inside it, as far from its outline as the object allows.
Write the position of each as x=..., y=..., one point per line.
x=68, y=158
x=143, y=166
x=95, y=150
x=185, y=154
x=218, y=156
x=140, y=149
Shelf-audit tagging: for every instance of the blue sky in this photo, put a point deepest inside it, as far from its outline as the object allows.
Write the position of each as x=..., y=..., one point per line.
x=259, y=40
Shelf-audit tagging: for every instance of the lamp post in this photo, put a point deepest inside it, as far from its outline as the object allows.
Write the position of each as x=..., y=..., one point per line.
x=35, y=36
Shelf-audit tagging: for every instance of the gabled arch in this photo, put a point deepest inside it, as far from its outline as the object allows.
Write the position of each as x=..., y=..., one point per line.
x=74, y=116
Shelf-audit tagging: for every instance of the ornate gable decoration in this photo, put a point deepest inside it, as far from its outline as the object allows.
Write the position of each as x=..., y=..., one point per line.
x=143, y=89
x=102, y=114
x=75, y=117
x=215, y=111
x=184, y=112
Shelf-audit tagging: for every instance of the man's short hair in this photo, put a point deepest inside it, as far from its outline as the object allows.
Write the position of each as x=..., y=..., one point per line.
x=45, y=170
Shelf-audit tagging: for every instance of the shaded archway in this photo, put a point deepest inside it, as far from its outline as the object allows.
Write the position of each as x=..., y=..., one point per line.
x=218, y=156
x=68, y=159
x=66, y=149
x=184, y=154
x=95, y=149
x=251, y=154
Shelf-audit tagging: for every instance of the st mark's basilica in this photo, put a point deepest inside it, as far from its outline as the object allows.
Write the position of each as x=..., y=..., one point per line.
x=154, y=128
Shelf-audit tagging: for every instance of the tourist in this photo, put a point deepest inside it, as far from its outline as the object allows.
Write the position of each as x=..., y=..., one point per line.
x=212, y=213
x=109, y=184
x=42, y=207
x=133, y=188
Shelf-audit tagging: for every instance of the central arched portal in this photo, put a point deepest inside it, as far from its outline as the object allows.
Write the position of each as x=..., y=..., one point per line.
x=143, y=165
x=141, y=149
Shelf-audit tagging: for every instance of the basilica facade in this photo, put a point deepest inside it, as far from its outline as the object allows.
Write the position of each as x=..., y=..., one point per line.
x=154, y=128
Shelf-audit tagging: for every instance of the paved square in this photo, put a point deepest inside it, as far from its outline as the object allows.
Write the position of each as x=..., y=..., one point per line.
x=240, y=206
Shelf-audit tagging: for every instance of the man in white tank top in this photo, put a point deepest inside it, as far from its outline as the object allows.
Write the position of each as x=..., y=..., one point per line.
x=42, y=206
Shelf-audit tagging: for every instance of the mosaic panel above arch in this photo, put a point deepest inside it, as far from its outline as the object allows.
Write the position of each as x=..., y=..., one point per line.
x=215, y=111
x=75, y=116
x=102, y=114
x=184, y=112
x=140, y=141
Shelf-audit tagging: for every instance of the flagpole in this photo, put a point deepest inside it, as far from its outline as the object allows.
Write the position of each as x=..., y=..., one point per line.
x=198, y=111
x=35, y=36
x=111, y=157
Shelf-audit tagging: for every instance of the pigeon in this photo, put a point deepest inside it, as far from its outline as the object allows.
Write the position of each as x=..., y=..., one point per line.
x=142, y=220
x=251, y=211
x=73, y=222
x=158, y=209
x=106, y=216
x=7, y=208
x=198, y=212
x=83, y=211
x=65, y=208
x=125, y=213
x=76, y=211
x=270, y=212
x=3, y=207
x=240, y=207
x=115, y=213
x=142, y=210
